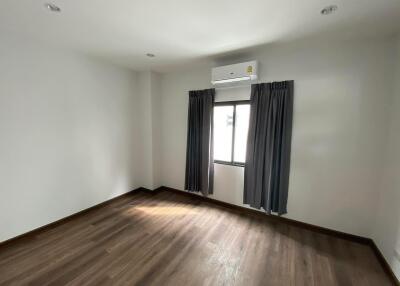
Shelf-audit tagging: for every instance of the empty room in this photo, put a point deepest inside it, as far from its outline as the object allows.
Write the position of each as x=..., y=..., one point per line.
x=200, y=143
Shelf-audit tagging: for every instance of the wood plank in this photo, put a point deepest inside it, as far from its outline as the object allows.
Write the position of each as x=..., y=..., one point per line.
x=172, y=239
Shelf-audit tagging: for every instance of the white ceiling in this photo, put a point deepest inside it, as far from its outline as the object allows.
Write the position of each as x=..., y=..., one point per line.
x=182, y=31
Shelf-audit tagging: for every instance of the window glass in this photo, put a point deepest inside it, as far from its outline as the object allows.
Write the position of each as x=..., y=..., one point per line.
x=241, y=129
x=223, y=132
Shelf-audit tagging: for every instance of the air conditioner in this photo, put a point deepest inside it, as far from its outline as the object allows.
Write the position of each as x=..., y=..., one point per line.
x=234, y=73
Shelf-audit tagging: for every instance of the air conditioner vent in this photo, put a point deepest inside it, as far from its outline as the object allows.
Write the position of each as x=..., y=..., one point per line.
x=234, y=73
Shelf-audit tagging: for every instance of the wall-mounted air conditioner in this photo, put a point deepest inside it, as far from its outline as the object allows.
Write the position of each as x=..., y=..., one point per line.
x=234, y=73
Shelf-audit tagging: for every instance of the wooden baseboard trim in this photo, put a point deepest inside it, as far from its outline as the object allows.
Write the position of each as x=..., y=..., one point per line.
x=149, y=191
x=354, y=238
x=384, y=263
x=315, y=228
x=31, y=234
x=347, y=236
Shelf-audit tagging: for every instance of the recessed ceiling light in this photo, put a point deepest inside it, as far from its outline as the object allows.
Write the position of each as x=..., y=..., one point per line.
x=329, y=9
x=52, y=7
x=150, y=55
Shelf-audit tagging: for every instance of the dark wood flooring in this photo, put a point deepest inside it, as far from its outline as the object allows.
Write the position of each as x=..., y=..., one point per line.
x=172, y=239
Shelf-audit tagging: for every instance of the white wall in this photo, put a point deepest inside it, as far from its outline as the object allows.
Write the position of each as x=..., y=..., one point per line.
x=156, y=128
x=149, y=90
x=387, y=227
x=342, y=93
x=75, y=132
x=68, y=130
x=145, y=135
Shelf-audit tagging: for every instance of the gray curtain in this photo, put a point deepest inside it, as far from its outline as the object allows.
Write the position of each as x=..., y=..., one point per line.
x=199, y=150
x=266, y=175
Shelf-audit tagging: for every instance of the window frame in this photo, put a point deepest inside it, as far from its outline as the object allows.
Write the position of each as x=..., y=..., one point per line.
x=234, y=104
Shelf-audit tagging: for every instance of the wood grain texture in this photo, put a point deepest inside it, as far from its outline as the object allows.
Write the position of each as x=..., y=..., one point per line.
x=171, y=239
x=34, y=232
x=277, y=218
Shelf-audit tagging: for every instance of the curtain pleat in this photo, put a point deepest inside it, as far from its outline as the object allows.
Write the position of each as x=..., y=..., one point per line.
x=199, y=150
x=268, y=146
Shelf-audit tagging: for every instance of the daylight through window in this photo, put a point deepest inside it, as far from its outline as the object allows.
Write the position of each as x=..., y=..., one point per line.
x=231, y=123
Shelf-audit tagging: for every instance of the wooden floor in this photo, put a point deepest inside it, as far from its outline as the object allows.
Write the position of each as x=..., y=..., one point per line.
x=171, y=239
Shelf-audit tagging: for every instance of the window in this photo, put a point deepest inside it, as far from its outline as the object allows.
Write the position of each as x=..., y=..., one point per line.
x=231, y=123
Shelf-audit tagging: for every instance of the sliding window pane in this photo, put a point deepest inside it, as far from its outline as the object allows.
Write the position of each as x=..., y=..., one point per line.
x=241, y=129
x=223, y=132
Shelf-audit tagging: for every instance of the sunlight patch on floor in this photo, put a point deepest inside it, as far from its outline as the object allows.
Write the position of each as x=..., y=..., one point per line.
x=166, y=210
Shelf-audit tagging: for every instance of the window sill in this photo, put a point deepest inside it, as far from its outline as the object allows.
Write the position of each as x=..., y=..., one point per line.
x=229, y=163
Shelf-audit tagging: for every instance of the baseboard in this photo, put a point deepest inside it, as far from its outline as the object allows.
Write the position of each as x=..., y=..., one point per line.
x=31, y=234
x=351, y=237
x=384, y=263
x=315, y=228
x=347, y=236
x=149, y=191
